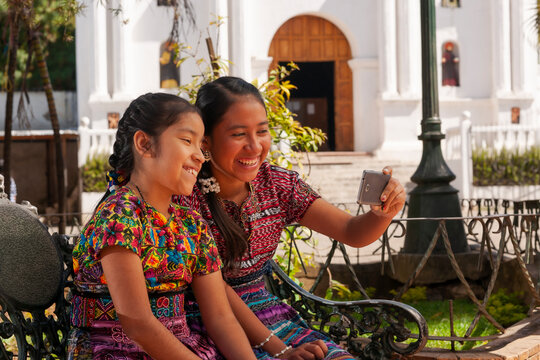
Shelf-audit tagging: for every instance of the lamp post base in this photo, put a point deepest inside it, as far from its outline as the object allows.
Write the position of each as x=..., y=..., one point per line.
x=434, y=200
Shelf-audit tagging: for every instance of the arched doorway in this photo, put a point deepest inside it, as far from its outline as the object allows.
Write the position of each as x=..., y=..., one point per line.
x=324, y=95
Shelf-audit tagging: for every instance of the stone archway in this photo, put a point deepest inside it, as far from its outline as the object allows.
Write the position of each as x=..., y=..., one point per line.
x=309, y=38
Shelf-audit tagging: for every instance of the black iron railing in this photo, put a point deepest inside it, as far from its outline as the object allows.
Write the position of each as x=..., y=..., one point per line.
x=495, y=229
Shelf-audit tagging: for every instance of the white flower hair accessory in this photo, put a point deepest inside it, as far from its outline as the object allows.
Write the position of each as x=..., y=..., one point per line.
x=209, y=185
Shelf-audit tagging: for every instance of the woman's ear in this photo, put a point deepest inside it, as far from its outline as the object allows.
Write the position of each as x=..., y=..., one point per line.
x=206, y=143
x=142, y=144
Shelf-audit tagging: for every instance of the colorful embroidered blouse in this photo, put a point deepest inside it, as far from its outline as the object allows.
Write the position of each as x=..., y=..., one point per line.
x=279, y=197
x=172, y=251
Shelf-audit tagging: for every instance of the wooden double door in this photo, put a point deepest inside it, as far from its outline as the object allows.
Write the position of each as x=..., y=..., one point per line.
x=324, y=95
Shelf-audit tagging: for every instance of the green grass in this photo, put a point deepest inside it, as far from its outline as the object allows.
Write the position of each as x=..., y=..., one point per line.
x=437, y=315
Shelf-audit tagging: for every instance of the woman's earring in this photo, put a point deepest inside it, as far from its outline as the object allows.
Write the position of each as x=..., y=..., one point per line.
x=206, y=155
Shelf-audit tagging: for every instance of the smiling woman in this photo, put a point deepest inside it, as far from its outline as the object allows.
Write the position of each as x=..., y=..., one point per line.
x=249, y=210
x=241, y=147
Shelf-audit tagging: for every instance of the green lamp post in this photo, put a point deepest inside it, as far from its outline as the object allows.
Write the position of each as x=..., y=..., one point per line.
x=433, y=195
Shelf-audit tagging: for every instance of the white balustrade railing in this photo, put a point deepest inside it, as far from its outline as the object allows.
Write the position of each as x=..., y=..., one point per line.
x=497, y=137
x=94, y=141
x=462, y=140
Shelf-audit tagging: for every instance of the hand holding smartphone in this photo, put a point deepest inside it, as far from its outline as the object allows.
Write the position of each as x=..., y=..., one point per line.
x=371, y=187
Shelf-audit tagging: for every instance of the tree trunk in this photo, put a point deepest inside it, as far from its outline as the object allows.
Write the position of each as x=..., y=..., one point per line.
x=47, y=87
x=13, y=20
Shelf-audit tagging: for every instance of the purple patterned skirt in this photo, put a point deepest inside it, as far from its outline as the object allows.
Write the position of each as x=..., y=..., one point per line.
x=97, y=333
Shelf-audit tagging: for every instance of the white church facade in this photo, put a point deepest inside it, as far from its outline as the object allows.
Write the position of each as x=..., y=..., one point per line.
x=360, y=61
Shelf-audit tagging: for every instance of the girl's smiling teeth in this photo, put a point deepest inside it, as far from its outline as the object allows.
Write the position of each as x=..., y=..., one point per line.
x=192, y=171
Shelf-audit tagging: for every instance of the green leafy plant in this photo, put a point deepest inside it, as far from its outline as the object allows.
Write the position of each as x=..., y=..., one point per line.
x=289, y=136
x=506, y=167
x=341, y=292
x=413, y=295
x=507, y=308
x=57, y=26
x=289, y=258
x=93, y=173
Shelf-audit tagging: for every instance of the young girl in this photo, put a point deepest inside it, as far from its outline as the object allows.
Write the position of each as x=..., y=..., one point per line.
x=139, y=252
x=247, y=202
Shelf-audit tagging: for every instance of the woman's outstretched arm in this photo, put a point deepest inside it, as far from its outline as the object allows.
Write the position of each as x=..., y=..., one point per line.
x=126, y=283
x=218, y=318
x=361, y=230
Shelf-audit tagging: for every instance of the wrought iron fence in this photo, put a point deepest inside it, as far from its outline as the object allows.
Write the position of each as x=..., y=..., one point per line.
x=495, y=229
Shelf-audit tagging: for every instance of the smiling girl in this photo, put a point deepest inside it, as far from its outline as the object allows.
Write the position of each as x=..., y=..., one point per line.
x=139, y=252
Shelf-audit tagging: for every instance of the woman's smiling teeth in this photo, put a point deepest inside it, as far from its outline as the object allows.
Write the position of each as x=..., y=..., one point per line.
x=249, y=162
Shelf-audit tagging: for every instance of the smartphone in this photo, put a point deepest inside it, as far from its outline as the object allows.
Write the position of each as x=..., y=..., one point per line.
x=371, y=187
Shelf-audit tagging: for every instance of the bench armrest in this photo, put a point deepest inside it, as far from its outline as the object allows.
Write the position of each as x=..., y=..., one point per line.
x=386, y=322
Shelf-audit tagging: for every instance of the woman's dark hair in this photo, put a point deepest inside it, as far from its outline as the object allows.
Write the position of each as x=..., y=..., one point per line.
x=213, y=100
x=151, y=113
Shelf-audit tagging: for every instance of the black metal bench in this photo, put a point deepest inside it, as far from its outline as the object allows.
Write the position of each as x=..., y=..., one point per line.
x=35, y=273
x=35, y=279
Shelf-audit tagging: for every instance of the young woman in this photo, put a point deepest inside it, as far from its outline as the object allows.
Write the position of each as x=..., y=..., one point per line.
x=247, y=203
x=140, y=251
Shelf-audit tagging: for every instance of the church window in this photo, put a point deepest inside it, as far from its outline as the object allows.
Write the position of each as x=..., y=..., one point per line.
x=450, y=64
x=169, y=74
x=515, y=115
x=166, y=2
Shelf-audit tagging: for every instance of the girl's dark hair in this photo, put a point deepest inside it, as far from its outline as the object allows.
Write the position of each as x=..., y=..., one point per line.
x=213, y=100
x=152, y=113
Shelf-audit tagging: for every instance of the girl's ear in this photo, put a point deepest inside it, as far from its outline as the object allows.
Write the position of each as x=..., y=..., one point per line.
x=142, y=144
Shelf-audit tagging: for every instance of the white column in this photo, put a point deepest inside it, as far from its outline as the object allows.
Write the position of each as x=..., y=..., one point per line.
x=529, y=43
x=502, y=59
x=119, y=56
x=259, y=68
x=99, y=90
x=237, y=39
x=387, y=47
x=222, y=47
x=517, y=38
x=366, y=118
x=466, y=155
x=84, y=60
x=409, y=59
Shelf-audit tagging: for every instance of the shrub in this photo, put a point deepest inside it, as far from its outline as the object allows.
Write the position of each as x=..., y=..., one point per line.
x=506, y=167
x=341, y=292
x=506, y=308
x=412, y=295
x=93, y=173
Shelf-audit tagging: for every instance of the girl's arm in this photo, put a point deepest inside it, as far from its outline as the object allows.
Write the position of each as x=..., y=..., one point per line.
x=126, y=283
x=361, y=230
x=218, y=317
x=258, y=333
